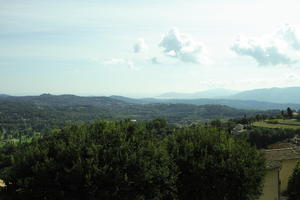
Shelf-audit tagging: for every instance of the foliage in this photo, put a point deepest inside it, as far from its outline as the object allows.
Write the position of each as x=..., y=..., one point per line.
x=289, y=112
x=293, y=191
x=129, y=160
x=262, y=137
x=105, y=160
x=214, y=166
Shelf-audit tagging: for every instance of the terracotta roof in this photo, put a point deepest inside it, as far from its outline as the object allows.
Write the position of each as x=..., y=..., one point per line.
x=282, y=154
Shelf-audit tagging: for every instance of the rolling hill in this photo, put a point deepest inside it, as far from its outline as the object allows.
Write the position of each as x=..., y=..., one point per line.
x=45, y=112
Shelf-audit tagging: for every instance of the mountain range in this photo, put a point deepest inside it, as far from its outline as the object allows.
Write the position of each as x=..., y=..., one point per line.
x=273, y=95
x=212, y=93
x=258, y=99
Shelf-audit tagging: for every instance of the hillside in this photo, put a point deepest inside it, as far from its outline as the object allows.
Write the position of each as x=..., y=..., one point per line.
x=41, y=113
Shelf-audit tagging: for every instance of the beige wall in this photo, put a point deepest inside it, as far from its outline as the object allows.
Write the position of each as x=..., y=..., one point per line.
x=270, y=189
x=285, y=172
x=2, y=184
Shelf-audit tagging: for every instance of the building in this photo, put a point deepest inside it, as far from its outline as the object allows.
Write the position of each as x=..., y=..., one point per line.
x=288, y=157
x=2, y=184
x=238, y=129
x=271, y=190
x=280, y=166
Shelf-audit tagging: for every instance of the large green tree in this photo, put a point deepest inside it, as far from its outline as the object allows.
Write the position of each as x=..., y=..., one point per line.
x=105, y=160
x=213, y=166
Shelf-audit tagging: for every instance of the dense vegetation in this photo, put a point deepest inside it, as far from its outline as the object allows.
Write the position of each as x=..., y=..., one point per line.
x=22, y=118
x=127, y=160
x=262, y=137
x=293, y=191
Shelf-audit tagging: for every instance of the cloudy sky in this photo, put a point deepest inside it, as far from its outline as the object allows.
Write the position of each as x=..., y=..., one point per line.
x=144, y=48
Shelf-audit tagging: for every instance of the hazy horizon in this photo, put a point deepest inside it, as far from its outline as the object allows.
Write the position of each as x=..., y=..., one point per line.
x=146, y=48
x=132, y=95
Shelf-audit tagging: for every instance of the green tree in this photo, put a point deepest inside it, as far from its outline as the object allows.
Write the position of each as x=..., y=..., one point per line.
x=214, y=166
x=105, y=160
x=216, y=123
x=289, y=112
x=293, y=190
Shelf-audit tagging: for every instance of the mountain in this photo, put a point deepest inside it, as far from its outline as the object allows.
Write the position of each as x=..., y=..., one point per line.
x=4, y=95
x=212, y=93
x=238, y=104
x=275, y=95
x=136, y=100
x=65, y=100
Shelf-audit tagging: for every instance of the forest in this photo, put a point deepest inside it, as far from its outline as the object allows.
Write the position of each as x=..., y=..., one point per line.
x=129, y=160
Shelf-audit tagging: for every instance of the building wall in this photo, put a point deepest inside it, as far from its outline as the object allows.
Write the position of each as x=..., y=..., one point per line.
x=2, y=184
x=271, y=187
x=285, y=172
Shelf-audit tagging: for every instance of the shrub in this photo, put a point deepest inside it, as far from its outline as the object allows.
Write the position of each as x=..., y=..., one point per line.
x=293, y=190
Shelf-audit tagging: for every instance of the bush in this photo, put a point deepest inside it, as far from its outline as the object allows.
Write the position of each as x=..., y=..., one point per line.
x=293, y=190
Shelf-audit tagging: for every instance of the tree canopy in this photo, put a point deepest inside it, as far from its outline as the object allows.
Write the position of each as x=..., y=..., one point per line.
x=129, y=160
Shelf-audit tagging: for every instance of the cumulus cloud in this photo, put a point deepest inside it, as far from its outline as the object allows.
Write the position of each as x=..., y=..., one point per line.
x=140, y=46
x=290, y=34
x=278, y=48
x=182, y=46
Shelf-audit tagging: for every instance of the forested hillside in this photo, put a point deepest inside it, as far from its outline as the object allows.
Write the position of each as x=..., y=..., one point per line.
x=45, y=112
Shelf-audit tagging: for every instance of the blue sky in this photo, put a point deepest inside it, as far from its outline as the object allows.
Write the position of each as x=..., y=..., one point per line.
x=144, y=48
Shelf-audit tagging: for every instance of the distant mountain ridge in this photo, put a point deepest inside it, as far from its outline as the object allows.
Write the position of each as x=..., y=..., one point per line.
x=287, y=95
x=116, y=101
x=233, y=103
x=274, y=95
x=212, y=93
x=65, y=100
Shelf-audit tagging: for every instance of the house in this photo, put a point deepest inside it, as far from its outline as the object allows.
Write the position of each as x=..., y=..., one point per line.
x=2, y=184
x=288, y=158
x=271, y=190
x=237, y=130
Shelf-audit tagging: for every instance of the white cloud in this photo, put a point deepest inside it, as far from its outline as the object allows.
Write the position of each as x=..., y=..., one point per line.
x=278, y=48
x=292, y=78
x=140, y=46
x=182, y=46
x=289, y=34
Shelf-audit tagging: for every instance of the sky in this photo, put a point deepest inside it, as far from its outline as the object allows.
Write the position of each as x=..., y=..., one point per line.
x=145, y=48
